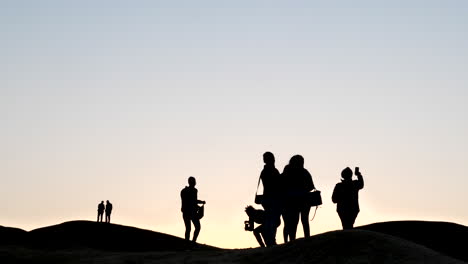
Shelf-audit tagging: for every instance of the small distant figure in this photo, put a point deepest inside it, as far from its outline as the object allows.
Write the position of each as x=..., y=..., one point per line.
x=345, y=195
x=190, y=209
x=256, y=216
x=108, y=211
x=270, y=178
x=100, y=211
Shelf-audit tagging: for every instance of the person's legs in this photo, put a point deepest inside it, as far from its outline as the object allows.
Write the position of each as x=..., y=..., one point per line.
x=196, y=224
x=188, y=226
x=269, y=226
x=276, y=221
x=342, y=219
x=294, y=221
x=285, y=227
x=305, y=220
x=258, y=235
x=289, y=220
x=346, y=220
x=108, y=218
x=352, y=219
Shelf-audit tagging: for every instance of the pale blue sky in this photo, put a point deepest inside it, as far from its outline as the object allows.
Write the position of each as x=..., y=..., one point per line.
x=123, y=100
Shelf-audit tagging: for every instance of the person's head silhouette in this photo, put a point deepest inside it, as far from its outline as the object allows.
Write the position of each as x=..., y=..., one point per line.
x=191, y=181
x=268, y=158
x=249, y=210
x=346, y=174
x=297, y=161
x=102, y=202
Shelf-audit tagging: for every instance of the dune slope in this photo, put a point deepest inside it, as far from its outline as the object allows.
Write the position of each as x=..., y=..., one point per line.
x=447, y=238
x=91, y=242
x=11, y=235
x=102, y=236
x=354, y=246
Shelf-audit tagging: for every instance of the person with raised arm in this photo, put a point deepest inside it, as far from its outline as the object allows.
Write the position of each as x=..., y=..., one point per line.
x=346, y=197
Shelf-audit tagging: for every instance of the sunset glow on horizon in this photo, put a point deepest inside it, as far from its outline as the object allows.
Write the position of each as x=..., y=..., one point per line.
x=123, y=101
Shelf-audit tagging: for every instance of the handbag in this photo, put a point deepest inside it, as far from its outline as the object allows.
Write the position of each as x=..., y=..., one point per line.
x=314, y=198
x=200, y=212
x=258, y=197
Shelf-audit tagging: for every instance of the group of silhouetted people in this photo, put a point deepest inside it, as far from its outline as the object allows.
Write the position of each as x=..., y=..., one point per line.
x=104, y=208
x=285, y=195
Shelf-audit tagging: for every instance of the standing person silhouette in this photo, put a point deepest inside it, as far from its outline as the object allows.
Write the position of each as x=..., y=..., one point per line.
x=270, y=178
x=100, y=211
x=297, y=182
x=345, y=195
x=108, y=211
x=189, y=209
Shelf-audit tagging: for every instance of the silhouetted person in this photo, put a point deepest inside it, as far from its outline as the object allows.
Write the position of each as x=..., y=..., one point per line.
x=189, y=209
x=345, y=195
x=108, y=211
x=270, y=177
x=256, y=216
x=297, y=182
x=100, y=211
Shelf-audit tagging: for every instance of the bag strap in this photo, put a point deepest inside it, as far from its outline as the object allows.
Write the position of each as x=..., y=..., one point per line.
x=316, y=207
x=258, y=185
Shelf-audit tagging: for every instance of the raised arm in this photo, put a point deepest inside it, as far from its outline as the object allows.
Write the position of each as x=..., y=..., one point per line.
x=360, y=180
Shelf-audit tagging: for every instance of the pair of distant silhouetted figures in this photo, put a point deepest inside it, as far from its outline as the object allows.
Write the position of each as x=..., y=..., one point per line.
x=286, y=195
x=107, y=209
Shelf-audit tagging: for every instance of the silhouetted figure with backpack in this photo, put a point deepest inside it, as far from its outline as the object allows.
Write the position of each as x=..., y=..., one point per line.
x=297, y=182
x=270, y=178
x=256, y=216
x=108, y=211
x=345, y=195
x=100, y=211
x=190, y=209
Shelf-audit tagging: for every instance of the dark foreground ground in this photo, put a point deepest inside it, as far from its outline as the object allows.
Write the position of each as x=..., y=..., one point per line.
x=389, y=242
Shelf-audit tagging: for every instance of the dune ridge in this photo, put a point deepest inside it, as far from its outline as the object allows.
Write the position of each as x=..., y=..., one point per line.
x=82, y=242
x=445, y=237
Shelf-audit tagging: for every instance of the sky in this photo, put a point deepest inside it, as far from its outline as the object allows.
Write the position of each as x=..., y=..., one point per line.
x=124, y=100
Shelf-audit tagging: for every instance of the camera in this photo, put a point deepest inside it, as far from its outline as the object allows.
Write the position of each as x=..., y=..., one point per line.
x=248, y=226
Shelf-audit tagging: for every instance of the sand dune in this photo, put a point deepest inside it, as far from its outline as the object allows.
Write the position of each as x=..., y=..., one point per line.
x=447, y=238
x=74, y=242
x=102, y=236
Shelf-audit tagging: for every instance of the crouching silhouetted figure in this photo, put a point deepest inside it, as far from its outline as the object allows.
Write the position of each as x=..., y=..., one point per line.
x=190, y=209
x=256, y=216
x=345, y=195
x=100, y=211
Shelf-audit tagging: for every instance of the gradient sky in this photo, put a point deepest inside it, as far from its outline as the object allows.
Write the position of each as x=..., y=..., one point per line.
x=124, y=100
